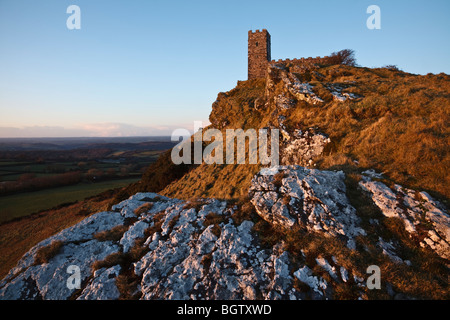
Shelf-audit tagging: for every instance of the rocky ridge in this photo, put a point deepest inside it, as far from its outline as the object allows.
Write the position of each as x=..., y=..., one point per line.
x=174, y=249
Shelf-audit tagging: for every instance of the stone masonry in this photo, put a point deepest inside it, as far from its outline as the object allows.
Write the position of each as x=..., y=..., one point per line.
x=259, y=57
x=258, y=53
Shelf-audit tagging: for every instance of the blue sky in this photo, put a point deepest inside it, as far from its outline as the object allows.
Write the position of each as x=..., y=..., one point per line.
x=147, y=67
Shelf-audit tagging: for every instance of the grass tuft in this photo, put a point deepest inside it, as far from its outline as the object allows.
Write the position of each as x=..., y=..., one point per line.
x=114, y=234
x=44, y=254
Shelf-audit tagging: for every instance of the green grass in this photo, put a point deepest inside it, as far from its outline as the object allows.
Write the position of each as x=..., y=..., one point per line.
x=15, y=176
x=10, y=163
x=150, y=153
x=36, y=168
x=23, y=204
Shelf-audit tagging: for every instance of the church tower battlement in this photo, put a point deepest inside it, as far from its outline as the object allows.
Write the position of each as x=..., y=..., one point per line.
x=258, y=53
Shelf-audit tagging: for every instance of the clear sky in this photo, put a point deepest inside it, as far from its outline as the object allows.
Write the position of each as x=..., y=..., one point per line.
x=147, y=67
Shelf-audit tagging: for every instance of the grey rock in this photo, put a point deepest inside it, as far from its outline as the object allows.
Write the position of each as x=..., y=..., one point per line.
x=311, y=198
x=412, y=208
x=103, y=285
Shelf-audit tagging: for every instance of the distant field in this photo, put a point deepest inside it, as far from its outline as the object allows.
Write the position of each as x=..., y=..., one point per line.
x=23, y=204
x=41, y=173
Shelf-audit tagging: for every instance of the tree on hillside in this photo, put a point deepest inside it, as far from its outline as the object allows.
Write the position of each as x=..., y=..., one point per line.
x=346, y=56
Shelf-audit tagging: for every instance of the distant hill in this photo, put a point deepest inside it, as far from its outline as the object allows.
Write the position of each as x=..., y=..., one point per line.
x=33, y=144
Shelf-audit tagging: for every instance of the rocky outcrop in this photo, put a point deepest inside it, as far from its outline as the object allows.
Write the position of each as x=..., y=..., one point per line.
x=153, y=247
x=185, y=259
x=298, y=146
x=303, y=147
x=172, y=250
x=313, y=199
x=35, y=280
x=423, y=218
x=338, y=94
x=301, y=91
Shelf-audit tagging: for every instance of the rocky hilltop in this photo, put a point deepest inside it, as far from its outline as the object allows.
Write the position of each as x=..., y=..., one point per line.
x=362, y=157
x=154, y=247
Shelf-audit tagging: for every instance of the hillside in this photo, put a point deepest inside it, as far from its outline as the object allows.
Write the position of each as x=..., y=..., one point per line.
x=362, y=183
x=382, y=119
x=299, y=238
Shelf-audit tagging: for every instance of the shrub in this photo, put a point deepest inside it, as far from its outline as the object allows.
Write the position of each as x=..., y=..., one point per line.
x=391, y=67
x=346, y=57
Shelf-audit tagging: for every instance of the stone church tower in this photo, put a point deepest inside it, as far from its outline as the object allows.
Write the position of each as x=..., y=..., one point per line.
x=258, y=53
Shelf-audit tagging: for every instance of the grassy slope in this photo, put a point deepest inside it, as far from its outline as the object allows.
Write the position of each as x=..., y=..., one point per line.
x=399, y=127
x=218, y=181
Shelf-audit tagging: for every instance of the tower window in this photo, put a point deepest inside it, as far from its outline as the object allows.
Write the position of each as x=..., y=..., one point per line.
x=256, y=43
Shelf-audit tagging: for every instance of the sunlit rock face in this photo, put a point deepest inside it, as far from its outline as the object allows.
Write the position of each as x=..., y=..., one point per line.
x=311, y=198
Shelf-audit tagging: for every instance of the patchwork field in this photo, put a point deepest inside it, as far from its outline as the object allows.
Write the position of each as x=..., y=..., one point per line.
x=40, y=174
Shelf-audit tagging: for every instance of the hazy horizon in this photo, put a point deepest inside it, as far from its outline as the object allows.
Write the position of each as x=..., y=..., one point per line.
x=84, y=138
x=108, y=130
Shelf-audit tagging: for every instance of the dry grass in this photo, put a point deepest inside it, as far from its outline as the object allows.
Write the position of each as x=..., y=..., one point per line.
x=235, y=108
x=143, y=208
x=127, y=281
x=44, y=254
x=206, y=262
x=245, y=211
x=158, y=220
x=116, y=258
x=196, y=204
x=399, y=127
x=127, y=284
x=278, y=179
x=219, y=181
x=214, y=219
x=114, y=234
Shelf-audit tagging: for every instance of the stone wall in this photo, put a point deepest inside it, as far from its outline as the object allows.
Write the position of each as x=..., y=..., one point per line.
x=305, y=64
